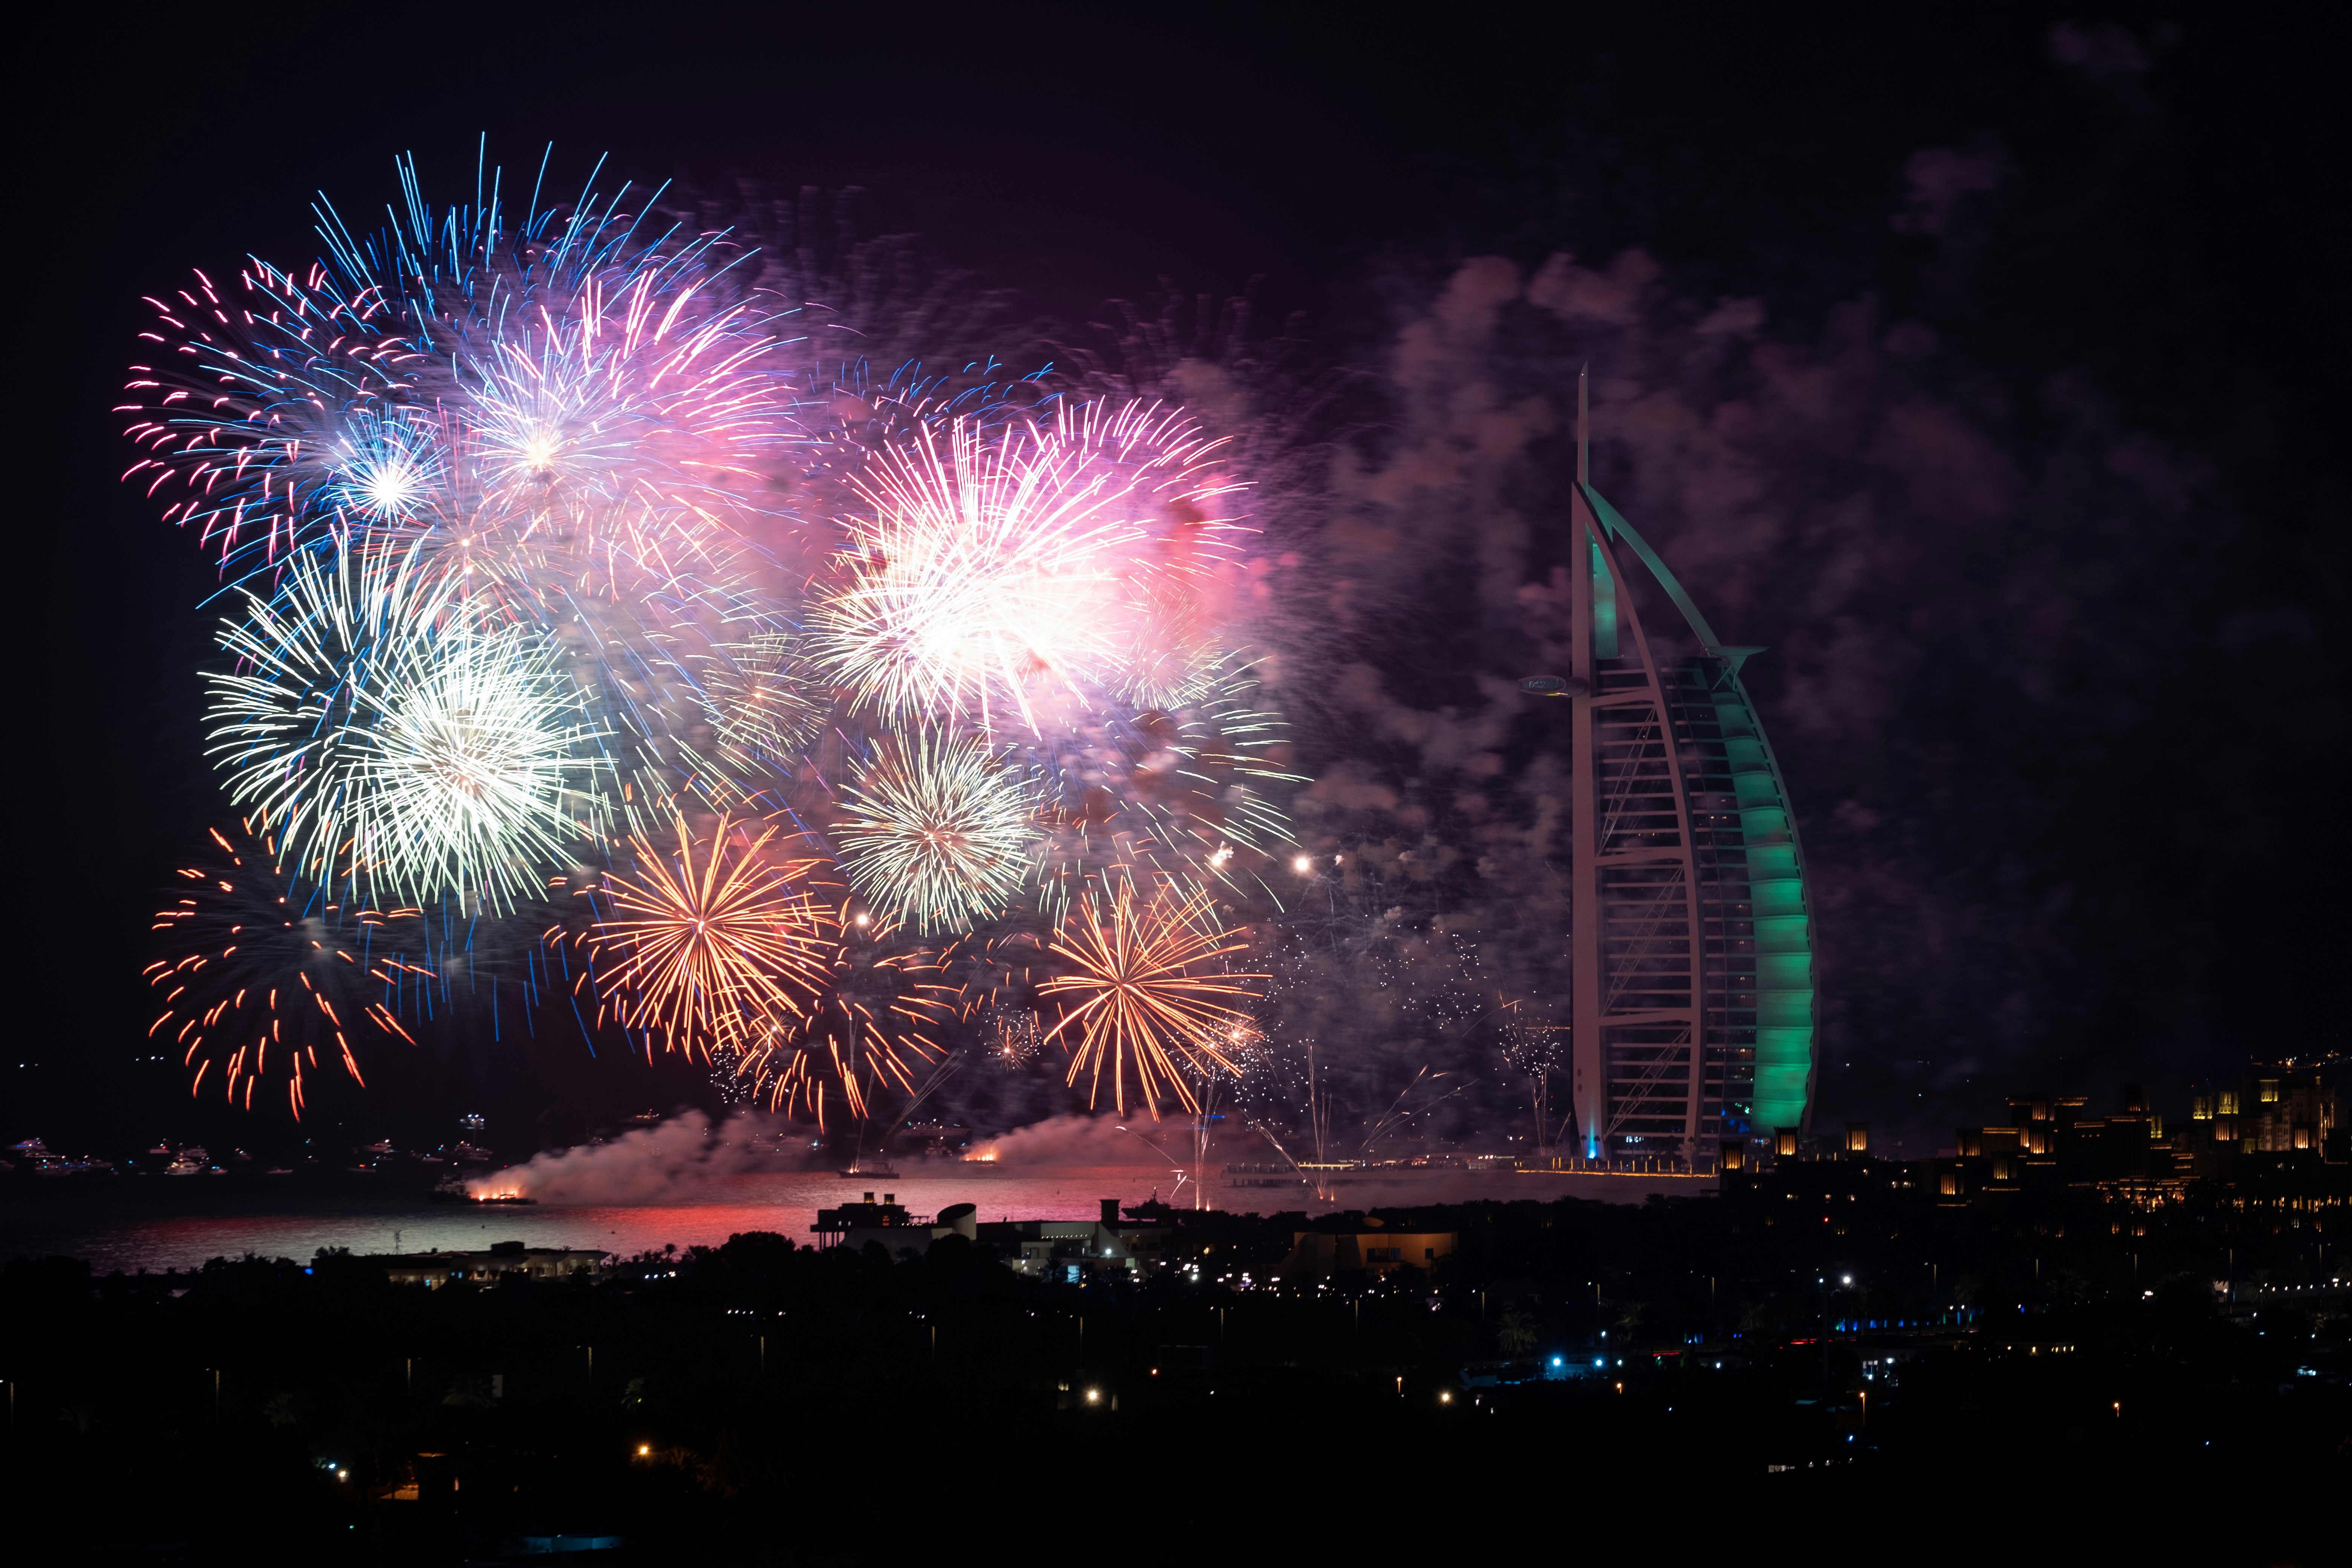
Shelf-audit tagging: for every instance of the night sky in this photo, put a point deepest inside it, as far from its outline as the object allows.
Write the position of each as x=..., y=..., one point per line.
x=1983, y=362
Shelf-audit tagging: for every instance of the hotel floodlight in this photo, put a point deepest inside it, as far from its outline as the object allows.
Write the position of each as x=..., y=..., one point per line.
x=1691, y=945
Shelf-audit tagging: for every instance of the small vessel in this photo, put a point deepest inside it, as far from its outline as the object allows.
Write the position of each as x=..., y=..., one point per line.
x=452, y=1190
x=878, y=1173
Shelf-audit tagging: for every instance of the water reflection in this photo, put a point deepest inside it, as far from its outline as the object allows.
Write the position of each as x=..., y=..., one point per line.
x=135, y=1223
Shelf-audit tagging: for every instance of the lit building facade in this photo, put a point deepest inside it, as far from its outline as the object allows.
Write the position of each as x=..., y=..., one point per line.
x=1695, y=1013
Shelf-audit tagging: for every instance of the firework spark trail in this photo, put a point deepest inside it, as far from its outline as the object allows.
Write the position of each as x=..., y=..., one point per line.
x=392, y=741
x=267, y=969
x=296, y=404
x=1145, y=987
x=875, y=1022
x=935, y=831
x=711, y=947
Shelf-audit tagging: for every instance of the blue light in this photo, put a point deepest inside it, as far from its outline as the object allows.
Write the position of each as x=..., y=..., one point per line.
x=1596, y=1360
x=1555, y=1361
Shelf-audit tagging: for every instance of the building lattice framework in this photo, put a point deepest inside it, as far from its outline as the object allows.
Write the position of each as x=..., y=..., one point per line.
x=1694, y=1008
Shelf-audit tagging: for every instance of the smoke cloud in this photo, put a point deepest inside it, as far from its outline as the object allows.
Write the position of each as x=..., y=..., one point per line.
x=646, y=1164
x=1080, y=1140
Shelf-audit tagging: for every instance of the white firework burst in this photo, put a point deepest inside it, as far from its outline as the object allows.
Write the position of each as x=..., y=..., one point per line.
x=1011, y=575
x=936, y=831
x=395, y=738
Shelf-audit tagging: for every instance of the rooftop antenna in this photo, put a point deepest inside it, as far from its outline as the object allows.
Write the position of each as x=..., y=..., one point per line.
x=1584, y=441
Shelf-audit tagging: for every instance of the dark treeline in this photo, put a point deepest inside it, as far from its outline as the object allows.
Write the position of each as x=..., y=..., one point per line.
x=2073, y=1369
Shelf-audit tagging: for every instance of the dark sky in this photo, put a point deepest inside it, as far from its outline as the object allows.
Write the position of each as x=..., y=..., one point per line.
x=2026, y=456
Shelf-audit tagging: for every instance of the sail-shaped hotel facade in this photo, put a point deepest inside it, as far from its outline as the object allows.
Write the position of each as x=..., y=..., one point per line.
x=1694, y=1010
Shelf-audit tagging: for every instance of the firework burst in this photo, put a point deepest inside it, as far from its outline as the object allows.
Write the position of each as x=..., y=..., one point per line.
x=550, y=543
x=392, y=740
x=935, y=831
x=1013, y=1037
x=1006, y=575
x=1145, y=989
x=266, y=970
x=580, y=388
x=762, y=708
x=713, y=945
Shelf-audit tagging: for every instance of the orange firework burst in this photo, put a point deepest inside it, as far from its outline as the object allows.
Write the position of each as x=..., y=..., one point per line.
x=866, y=1033
x=717, y=945
x=266, y=969
x=1146, y=980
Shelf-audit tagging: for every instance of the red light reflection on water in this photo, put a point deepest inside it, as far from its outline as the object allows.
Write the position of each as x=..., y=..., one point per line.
x=117, y=1229
x=155, y=1225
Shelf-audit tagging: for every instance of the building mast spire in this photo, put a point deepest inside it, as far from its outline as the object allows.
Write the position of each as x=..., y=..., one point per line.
x=1589, y=1077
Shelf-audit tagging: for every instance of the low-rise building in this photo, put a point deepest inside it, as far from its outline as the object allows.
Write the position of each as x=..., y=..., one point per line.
x=435, y=1270
x=1069, y=1249
x=1360, y=1244
x=1063, y=1248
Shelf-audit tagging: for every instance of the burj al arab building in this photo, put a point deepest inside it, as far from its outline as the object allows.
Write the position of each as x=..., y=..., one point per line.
x=1694, y=1011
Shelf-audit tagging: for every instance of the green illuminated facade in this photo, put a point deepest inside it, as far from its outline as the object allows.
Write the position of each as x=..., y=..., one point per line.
x=1695, y=1012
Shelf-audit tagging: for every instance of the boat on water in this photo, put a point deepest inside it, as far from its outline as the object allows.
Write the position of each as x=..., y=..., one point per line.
x=452, y=1190
x=876, y=1173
